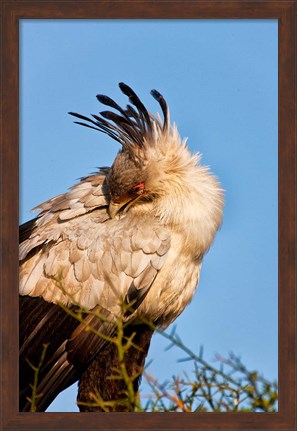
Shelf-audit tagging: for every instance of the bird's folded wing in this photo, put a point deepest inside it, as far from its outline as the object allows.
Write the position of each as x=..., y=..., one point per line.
x=72, y=339
x=90, y=259
x=85, y=260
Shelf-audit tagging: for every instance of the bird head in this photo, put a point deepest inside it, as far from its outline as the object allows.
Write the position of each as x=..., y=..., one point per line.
x=132, y=176
x=127, y=184
x=154, y=164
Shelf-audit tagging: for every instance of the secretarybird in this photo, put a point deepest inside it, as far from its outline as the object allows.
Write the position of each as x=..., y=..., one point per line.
x=124, y=243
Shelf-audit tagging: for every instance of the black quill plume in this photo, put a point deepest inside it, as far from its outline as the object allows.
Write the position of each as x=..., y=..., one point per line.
x=131, y=126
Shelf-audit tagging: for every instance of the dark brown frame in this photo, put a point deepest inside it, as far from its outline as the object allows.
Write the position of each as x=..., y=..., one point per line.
x=285, y=13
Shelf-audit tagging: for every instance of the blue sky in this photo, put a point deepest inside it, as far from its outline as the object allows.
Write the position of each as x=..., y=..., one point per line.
x=219, y=78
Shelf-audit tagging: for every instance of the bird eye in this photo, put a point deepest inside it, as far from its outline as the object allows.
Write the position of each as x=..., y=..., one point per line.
x=138, y=186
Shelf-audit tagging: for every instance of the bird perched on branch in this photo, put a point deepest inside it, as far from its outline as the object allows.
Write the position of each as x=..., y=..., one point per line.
x=124, y=243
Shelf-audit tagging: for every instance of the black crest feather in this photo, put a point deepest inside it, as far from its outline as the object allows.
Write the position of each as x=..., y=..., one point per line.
x=129, y=126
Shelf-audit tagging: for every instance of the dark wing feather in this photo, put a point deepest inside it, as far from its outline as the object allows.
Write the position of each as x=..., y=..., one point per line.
x=40, y=323
x=25, y=230
x=72, y=346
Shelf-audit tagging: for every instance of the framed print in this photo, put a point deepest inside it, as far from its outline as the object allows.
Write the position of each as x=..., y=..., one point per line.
x=226, y=70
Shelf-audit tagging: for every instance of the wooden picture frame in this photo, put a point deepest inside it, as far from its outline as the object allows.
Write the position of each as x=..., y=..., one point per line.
x=285, y=13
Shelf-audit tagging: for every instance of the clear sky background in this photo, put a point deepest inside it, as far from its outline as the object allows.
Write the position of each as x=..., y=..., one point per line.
x=219, y=78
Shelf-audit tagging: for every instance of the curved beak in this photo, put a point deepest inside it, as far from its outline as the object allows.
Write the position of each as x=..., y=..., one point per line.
x=115, y=207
